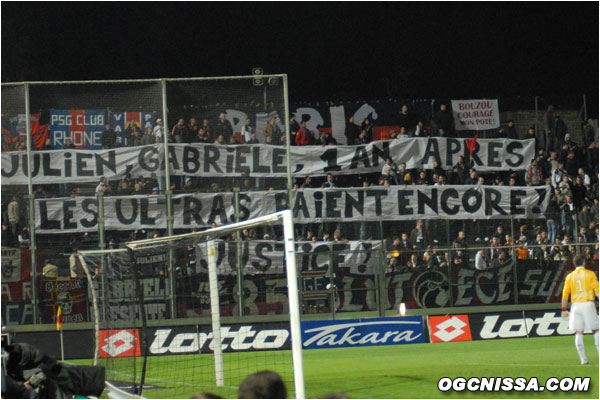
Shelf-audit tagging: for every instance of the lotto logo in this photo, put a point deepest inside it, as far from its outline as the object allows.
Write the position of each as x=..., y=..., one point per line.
x=119, y=343
x=450, y=328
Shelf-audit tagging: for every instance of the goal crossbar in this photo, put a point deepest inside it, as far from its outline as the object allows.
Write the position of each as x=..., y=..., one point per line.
x=285, y=217
x=211, y=232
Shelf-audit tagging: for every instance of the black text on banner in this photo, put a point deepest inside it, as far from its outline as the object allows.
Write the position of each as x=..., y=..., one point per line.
x=208, y=160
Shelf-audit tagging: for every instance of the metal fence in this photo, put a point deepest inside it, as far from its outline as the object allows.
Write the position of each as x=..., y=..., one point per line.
x=78, y=113
x=114, y=116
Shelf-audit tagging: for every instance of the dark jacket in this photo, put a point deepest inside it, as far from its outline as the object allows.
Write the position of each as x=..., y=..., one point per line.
x=179, y=133
x=443, y=119
x=352, y=131
x=109, y=139
x=223, y=128
x=62, y=380
x=413, y=238
x=407, y=121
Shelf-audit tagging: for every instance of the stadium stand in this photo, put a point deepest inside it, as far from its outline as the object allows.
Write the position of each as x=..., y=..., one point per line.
x=566, y=161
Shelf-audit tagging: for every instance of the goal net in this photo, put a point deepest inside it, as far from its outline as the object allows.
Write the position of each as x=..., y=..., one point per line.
x=210, y=344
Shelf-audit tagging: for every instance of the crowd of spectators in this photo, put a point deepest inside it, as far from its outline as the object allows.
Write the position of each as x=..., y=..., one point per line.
x=417, y=249
x=570, y=170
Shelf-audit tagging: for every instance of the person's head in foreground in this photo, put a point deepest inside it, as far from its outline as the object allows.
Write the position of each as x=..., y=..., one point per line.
x=262, y=385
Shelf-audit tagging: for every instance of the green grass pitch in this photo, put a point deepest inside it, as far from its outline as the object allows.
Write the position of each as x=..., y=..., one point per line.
x=402, y=371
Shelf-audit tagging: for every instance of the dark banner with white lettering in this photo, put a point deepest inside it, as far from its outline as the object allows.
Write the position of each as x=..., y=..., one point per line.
x=235, y=338
x=355, y=285
x=17, y=313
x=424, y=288
x=70, y=166
x=170, y=340
x=383, y=116
x=266, y=292
x=82, y=128
x=70, y=295
x=506, y=325
x=362, y=332
x=17, y=293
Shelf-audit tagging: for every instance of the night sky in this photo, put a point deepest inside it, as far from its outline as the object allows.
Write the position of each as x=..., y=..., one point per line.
x=330, y=51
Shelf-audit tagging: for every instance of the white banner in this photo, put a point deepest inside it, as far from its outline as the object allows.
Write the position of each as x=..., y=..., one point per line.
x=475, y=115
x=68, y=166
x=11, y=264
x=397, y=203
x=266, y=257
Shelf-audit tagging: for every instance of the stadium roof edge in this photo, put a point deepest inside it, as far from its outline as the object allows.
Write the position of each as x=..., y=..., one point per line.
x=153, y=80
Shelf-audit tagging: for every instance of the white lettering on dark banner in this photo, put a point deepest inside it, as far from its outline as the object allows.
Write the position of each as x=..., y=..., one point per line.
x=549, y=324
x=345, y=334
x=244, y=339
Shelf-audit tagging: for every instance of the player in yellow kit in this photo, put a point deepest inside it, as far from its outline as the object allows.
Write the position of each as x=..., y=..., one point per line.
x=582, y=286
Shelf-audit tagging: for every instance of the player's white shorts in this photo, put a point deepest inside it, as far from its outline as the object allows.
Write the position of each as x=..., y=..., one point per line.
x=583, y=316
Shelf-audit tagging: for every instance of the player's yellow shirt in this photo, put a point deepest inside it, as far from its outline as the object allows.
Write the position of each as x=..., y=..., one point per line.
x=581, y=285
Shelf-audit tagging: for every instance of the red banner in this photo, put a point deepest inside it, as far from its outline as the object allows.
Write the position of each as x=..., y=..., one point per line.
x=119, y=343
x=450, y=328
x=69, y=294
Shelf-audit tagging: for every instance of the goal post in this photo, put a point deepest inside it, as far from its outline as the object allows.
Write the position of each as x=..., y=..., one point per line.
x=180, y=357
x=215, y=313
x=292, y=279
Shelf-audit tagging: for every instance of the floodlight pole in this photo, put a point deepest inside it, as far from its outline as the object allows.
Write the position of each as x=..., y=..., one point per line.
x=238, y=257
x=169, y=194
x=288, y=148
x=33, y=247
x=102, y=244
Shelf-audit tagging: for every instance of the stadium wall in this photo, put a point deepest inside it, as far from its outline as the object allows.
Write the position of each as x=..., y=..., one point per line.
x=264, y=336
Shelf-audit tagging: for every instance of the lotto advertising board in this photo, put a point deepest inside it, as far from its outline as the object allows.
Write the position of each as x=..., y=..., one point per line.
x=449, y=328
x=78, y=344
x=501, y=325
x=170, y=340
x=519, y=325
x=195, y=339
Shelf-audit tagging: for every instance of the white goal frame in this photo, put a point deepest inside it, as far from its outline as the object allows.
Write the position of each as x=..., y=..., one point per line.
x=285, y=217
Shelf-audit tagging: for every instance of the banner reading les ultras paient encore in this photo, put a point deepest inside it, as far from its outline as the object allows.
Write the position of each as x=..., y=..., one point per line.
x=397, y=203
x=475, y=115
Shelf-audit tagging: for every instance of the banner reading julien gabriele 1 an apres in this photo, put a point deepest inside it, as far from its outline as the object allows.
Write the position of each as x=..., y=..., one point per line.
x=260, y=160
